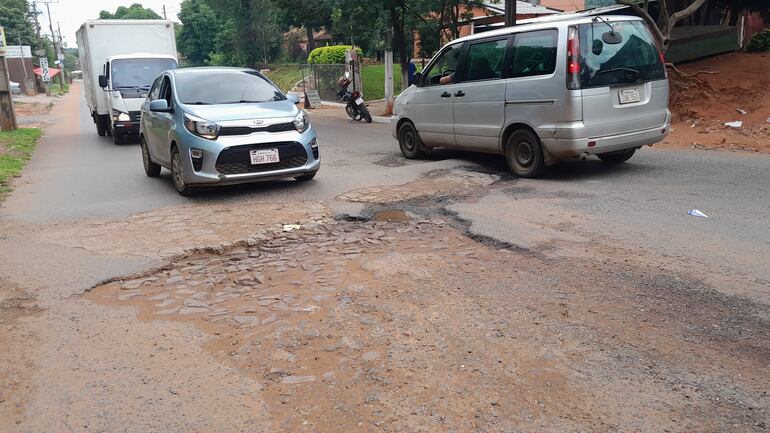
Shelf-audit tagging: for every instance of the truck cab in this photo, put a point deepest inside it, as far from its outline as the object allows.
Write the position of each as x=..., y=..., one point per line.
x=125, y=81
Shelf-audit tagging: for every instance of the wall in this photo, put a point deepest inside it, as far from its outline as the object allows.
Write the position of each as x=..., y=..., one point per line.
x=16, y=68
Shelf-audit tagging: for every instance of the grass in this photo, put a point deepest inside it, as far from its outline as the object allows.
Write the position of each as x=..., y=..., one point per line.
x=373, y=76
x=285, y=76
x=56, y=89
x=16, y=147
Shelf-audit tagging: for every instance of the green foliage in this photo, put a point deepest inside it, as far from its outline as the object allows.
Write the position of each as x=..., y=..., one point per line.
x=760, y=42
x=16, y=147
x=198, y=31
x=134, y=12
x=285, y=76
x=330, y=55
x=373, y=77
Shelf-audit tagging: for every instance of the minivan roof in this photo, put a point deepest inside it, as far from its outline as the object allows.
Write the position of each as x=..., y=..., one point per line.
x=541, y=22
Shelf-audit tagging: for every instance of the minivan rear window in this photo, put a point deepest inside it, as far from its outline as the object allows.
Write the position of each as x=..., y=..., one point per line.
x=634, y=59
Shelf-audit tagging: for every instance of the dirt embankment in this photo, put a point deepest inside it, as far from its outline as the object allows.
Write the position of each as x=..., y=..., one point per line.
x=702, y=105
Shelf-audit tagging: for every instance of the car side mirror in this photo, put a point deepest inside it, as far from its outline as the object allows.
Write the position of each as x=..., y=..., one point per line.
x=294, y=99
x=103, y=83
x=159, y=106
x=417, y=79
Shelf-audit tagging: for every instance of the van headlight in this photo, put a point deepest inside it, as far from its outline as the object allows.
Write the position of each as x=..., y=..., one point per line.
x=302, y=122
x=201, y=127
x=119, y=116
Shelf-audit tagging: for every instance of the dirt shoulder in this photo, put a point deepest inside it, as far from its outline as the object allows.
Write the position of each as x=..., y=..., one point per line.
x=738, y=83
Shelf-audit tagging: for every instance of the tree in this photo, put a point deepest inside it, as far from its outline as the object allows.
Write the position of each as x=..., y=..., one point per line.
x=200, y=25
x=661, y=29
x=134, y=12
x=309, y=14
x=16, y=18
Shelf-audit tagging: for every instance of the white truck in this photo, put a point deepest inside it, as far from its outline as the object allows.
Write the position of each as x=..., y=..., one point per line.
x=120, y=59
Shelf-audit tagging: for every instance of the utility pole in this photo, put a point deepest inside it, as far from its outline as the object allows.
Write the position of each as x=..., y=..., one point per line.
x=164, y=12
x=7, y=113
x=61, y=56
x=389, y=71
x=37, y=23
x=56, y=46
x=510, y=13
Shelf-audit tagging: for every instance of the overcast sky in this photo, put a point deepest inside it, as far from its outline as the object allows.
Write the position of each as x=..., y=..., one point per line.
x=71, y=14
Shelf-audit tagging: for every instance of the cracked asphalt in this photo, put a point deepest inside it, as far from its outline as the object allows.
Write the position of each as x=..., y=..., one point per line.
x=435, y=295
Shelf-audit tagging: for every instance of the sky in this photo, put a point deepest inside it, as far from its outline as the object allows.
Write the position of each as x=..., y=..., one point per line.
x=71, y=14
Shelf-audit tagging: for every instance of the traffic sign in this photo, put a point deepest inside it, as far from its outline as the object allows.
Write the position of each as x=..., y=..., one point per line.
x=44, y=69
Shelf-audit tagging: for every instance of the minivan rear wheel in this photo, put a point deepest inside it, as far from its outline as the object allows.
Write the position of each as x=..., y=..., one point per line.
x=409, y=142
x=617, y=157
x=524, y=154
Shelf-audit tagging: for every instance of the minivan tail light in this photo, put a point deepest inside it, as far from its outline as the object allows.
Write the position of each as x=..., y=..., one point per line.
x=663, y=62
x=573, y=58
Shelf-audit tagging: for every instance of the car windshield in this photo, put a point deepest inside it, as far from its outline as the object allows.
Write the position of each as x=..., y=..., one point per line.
x=634, y=58
x=138, y=73
x=225, y=87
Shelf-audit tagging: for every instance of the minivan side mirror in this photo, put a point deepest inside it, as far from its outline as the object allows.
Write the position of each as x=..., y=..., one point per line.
x=103, y=83
x=160, y=106
x=294, y=99
x=417, y=79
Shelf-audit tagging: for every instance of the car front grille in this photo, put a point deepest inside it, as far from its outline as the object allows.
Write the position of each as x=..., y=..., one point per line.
x=246, y=130
x=135, y=115
x=237, y=160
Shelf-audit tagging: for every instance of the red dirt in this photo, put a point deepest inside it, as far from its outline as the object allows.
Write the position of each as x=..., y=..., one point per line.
x=702, y=105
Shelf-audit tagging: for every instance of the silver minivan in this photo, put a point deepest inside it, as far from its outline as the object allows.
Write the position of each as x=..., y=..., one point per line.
x=540, y=92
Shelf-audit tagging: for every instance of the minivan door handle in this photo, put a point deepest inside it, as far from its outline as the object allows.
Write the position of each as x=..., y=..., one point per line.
x=446, y=95
x=460, y=94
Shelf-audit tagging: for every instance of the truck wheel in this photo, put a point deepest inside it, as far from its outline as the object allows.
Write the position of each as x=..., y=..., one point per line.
x=101, y=128
x=150, y=168
x=617, y=157
x=177, y=174
x=524, y=154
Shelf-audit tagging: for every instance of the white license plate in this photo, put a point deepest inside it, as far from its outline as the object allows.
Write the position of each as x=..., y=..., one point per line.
x=628, y=96
x=359, y=101
x=264, y=156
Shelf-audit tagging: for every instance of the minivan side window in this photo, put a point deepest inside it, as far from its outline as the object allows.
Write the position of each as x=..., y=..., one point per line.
x=534, y=53
x=484, y=60
x=446, y=65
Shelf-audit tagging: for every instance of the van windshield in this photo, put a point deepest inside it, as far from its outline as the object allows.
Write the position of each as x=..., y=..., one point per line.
x=633, y=59
x=138, y=73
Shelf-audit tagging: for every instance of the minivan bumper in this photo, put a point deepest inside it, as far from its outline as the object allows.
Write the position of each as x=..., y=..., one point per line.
x=564, y=148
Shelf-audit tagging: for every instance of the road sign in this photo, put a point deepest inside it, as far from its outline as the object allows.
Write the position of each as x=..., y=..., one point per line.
x=2, y=41
x=44, y=69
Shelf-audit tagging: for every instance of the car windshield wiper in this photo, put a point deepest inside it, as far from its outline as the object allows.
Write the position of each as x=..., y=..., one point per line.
x=197, y=103
x=131, y=87
x=629, y=70
x=243, y=101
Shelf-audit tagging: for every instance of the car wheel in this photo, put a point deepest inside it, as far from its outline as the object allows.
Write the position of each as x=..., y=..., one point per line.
x=306, y=177
x=617, y=157
x=524, y=154
x=409, y=142
x=150, y=168
x=177, y=174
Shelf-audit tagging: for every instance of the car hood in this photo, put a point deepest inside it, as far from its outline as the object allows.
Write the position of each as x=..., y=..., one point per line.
x=224, y=112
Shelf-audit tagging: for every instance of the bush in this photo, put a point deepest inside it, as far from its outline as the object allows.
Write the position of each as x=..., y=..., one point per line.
x=760, y=41
x=330, y=55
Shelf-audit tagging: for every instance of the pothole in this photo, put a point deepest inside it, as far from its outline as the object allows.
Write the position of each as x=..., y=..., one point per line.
x=392, y=215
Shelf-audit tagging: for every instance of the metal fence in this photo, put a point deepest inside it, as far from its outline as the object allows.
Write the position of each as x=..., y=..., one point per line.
x=324, y=78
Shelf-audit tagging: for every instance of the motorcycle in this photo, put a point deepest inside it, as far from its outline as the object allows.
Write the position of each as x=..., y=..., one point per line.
x=355, y=107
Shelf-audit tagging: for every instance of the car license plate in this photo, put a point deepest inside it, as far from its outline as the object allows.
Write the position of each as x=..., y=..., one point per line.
x=628, y=96
x=359, y=101
x=264, y=156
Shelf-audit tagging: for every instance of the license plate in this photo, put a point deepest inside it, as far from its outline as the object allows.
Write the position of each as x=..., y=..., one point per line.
x=628, y=96
x=264, y=156
x=359, y=101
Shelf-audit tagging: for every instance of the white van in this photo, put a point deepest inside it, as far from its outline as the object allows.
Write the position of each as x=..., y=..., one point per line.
x=539, y=92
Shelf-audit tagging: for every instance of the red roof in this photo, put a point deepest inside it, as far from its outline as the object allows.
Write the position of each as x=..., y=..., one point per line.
x=52, y=72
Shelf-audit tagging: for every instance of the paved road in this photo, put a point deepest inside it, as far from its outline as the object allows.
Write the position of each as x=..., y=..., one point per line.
x=76, y=174
x=61, y=232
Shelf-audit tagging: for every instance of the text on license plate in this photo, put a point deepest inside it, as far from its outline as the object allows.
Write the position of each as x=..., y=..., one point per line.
x=628, y=96
x=264, y=156
x=359, y=101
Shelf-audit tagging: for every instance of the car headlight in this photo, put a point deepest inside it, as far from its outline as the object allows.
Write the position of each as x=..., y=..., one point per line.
x=120, y=116
x=201, y=127
x=302, y=122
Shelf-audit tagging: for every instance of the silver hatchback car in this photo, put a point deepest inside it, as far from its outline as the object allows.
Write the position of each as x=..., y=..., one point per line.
x=542, y=91
x=220, y=126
